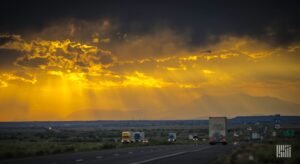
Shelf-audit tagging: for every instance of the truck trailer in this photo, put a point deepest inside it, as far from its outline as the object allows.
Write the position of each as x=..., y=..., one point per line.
x=131, y=137
x=217, y=130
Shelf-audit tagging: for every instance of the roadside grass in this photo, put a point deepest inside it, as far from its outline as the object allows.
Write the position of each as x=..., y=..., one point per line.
x=25, y=149
x=21, y=149
x=261, y=153
x=39, y=141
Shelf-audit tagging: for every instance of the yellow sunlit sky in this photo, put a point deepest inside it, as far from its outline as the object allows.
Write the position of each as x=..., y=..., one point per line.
x=74, y=69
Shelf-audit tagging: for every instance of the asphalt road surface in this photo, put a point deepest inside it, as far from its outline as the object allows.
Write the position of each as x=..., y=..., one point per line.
x=171, y=154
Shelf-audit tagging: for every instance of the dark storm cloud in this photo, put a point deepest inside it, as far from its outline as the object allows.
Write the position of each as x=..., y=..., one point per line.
x=4, y=40
x=106, y=59
x=277, y=21
x=8, y=57
x=36, y=62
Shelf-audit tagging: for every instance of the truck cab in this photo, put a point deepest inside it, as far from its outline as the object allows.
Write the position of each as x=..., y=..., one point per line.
x=139, y=136
x=172, y=137
x=126, y=137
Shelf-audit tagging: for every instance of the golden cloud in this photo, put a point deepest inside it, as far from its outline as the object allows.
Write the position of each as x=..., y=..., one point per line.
x=152, y=71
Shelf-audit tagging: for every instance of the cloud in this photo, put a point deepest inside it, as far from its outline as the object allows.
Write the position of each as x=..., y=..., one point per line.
x=4, y=38
x=17, y=76
x=245, y=105
x=175, y=66
x=92, y=32
x=27, y=61
x=155, y=71
x=106, y=59
x=158, y=43
x=140, y=79
x=8, y=57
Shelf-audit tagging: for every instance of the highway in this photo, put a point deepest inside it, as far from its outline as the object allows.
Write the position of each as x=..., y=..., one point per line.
x=174, y=154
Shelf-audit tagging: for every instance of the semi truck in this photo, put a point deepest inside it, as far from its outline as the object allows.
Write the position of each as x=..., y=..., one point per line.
x=127, y=137
x=217, y=130
x=172, y=137
x=138, y=136
x=130, y=137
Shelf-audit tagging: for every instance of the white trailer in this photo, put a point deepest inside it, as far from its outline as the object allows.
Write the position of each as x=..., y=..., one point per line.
x=217, y=130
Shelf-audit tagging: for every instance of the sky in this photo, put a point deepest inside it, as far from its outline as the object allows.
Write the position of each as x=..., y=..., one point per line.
x=133, y=60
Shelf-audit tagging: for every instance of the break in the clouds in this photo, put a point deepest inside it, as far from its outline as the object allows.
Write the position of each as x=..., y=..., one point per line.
x=124, y=61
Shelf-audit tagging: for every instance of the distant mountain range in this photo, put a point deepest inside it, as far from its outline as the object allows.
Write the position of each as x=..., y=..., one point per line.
x=266, y=119
x=238, y=104
x=243, y=104
x=147, y=123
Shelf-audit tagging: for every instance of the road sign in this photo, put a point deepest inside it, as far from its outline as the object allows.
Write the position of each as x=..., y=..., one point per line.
x=289, y=133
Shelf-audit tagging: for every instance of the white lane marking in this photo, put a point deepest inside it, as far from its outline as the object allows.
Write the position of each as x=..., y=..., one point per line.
x=79, y=160
x=130, y=152
x=116, y=155
x=99, y=157
x=170, y=155
x=157, y=158
x=200, y=149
